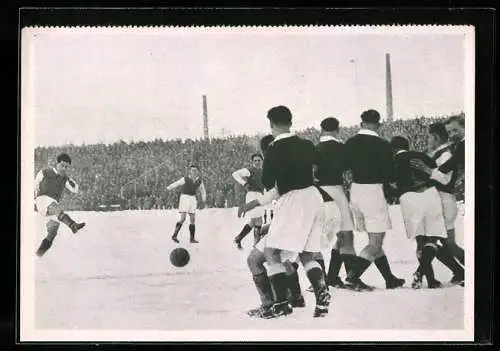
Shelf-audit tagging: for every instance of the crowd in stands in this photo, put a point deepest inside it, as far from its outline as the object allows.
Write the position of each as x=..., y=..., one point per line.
x=135, y=175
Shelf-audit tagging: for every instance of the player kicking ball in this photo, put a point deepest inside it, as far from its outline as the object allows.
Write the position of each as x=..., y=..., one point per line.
x=189, y=184
x=49, y=187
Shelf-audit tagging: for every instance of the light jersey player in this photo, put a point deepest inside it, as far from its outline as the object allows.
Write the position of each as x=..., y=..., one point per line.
x=189, y=185
x=448, y=176
x=250, y=179
x=49, y=188
x=421, y=209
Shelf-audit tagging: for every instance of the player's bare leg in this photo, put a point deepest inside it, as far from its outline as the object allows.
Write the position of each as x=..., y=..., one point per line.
x=178, y=227
x=257, y=228
x=55, y=210
x=192, y=228
x=317, y=278
x=52, y=228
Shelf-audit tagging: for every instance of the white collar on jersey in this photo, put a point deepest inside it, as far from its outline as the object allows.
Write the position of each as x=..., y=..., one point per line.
x=367, y=132
x=440, y=147
x=328, y=138
x=55, y=170
x=283, y=136
x=401, y=151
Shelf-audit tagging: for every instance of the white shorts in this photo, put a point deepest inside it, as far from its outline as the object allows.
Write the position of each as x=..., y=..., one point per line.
x=42, y=204
x=450, y=209
x=331, y=226
x=298, y=222
x=369, y=208
x=257, y=212
x=187, y=203
x=422, y=213
x=338, y=195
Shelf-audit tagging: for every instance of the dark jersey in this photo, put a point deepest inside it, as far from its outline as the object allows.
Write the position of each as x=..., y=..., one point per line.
x=190, y=186
x=52, y=184
x=255, y=180
x=288, y=164
x=369, y=157
x=407, y=178
x=330, y=162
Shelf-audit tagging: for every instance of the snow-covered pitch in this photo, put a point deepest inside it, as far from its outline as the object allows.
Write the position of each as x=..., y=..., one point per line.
x=116, y=274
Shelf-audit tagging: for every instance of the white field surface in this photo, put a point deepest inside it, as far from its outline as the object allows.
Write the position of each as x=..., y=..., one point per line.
x=116, y=275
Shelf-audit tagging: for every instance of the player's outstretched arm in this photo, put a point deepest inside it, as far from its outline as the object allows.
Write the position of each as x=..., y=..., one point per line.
x=203, y=193
x=176, y=184
x=266, y=199
x=241, y=176
x=38, y=181
x=72, y=186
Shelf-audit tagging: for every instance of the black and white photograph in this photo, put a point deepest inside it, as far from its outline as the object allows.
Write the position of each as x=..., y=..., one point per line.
x=259, y=183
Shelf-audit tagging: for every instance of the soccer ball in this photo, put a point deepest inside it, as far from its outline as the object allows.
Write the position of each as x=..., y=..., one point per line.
x=179, y=257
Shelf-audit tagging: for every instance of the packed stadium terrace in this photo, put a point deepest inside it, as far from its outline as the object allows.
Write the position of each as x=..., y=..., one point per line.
x=135, y=175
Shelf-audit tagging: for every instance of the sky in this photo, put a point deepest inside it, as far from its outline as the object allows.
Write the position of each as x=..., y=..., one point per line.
x=104, y=86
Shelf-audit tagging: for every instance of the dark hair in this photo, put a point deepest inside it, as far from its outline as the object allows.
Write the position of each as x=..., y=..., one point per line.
x=63, y=158
x=370, y=116
x=330, y=124
x=265, y=141
x=399, y=143
x=439, y=129
x=256, y=155
x=194, y=166
x=459, y=119
x=280, y=115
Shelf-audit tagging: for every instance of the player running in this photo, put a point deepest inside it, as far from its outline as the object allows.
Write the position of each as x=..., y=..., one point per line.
x=250, y=179
x=189, y=184
x=49, y=188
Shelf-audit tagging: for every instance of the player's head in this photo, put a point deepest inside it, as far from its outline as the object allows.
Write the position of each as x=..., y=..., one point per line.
x=280, y=119
x=399, y=143
x=194, y=171
x=437, y=135
x=370, y=119
x=265, y=142
x=455, y=126
x=257, y=160
x=329, y=126
x=63, y=163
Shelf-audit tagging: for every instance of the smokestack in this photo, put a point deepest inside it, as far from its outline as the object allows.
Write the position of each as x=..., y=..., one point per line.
x=388, y=86
x=205, y=117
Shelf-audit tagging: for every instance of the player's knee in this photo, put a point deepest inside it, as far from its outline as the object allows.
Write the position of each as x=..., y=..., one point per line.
x=317, y=256
x=306, y=257
x=370, y=252
x=255, y=261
